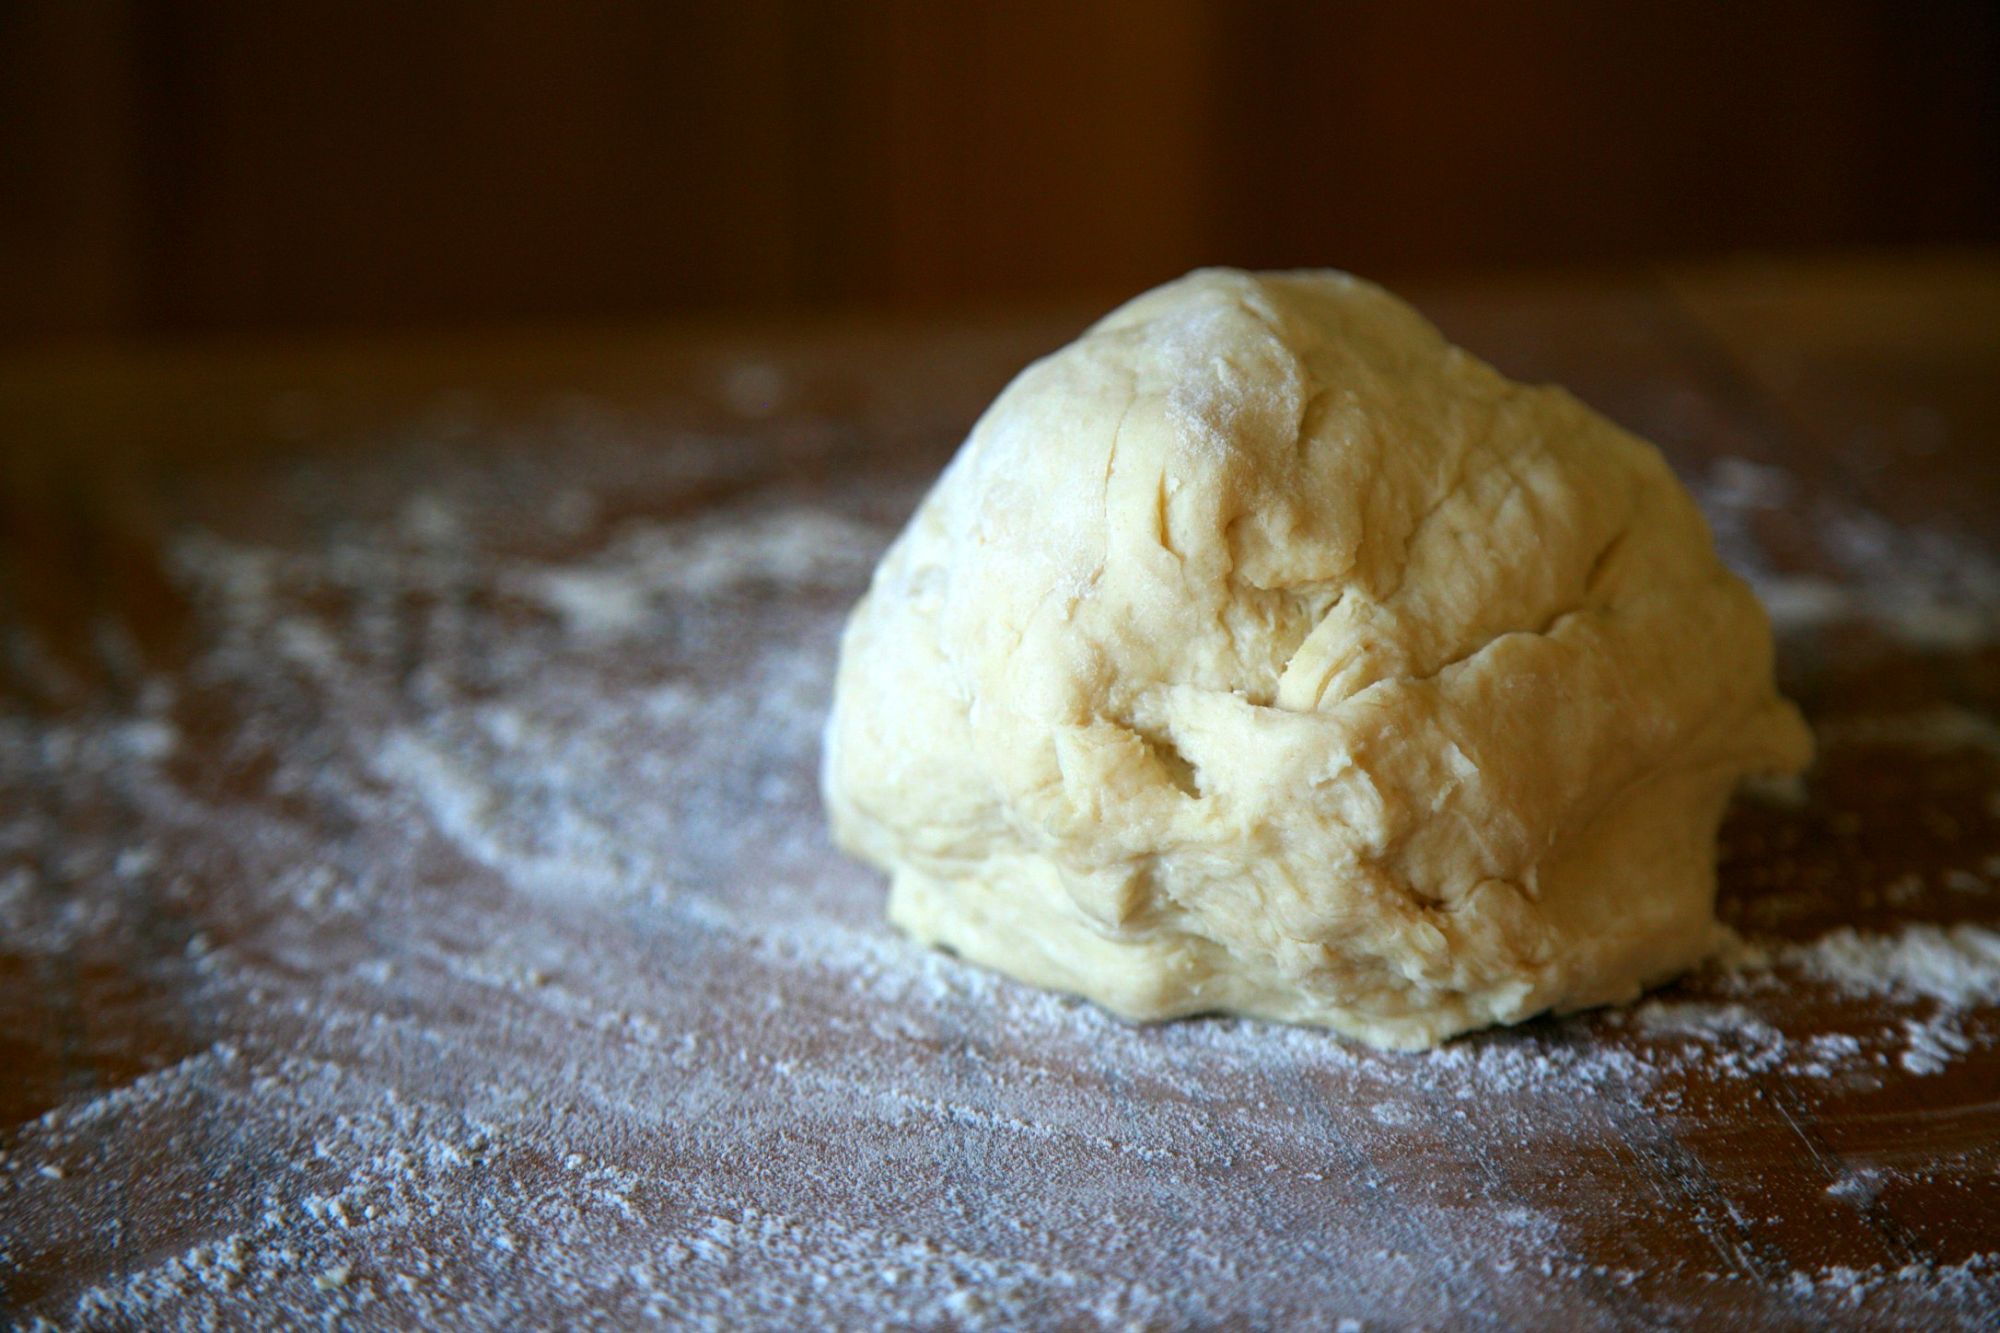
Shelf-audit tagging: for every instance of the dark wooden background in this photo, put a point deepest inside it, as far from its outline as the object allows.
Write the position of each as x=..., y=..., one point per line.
x=202, y=165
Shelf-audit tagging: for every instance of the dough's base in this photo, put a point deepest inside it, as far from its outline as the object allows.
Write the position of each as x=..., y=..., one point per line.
x=1497, y=958
x=1170, y=974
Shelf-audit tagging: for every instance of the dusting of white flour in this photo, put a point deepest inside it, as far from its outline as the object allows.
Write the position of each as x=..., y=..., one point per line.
x=499, y=972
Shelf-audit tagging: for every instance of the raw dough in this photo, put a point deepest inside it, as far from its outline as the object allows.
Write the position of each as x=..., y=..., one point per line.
x=1261, y=652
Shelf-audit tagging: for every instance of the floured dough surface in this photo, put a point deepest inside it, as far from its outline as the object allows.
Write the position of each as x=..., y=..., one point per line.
x=1262, y=652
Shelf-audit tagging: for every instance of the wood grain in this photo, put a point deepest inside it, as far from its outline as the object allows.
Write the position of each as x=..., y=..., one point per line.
x=342, y=866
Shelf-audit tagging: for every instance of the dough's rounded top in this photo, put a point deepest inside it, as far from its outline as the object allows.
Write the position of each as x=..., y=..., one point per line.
x=1261, y=651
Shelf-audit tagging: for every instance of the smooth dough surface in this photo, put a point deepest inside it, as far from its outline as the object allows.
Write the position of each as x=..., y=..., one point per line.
x=1261, y=652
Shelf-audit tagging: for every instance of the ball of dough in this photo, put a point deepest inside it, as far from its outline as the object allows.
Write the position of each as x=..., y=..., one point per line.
x=1261, y=652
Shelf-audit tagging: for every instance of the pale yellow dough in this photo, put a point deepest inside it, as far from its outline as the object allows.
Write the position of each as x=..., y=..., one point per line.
x=1261, y=652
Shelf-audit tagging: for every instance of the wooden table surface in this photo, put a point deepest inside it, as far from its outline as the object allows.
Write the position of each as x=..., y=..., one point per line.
x=415, y=910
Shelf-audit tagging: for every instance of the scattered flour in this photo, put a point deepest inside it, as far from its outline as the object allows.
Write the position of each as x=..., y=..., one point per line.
x=1953, y=965
x=1797, y=603
x=496, y=971
x=646, y=567
x=1955, y=969
x=1927, y=590
x=1942, y=728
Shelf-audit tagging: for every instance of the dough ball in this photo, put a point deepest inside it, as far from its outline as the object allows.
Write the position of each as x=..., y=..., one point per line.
x=1260, y=652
